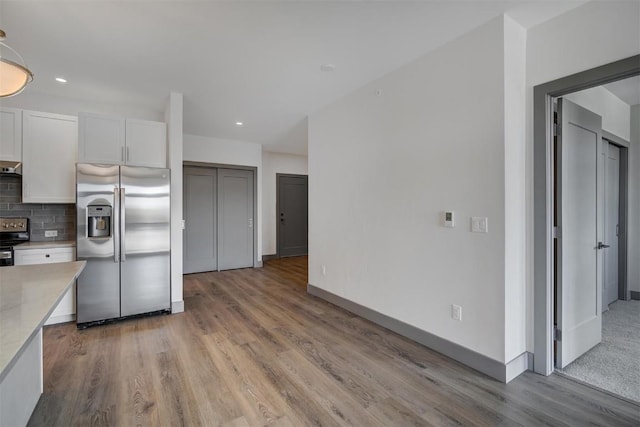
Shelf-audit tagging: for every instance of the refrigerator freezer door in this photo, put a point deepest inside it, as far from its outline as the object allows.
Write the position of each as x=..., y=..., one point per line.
x=98, y=288
x=145, y=237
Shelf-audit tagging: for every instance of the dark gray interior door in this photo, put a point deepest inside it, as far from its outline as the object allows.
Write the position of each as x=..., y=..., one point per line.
x=200, y=214
x=235, y=219
x=293, y=217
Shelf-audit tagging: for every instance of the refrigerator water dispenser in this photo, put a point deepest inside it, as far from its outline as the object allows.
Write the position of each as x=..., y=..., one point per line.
x=99, y=221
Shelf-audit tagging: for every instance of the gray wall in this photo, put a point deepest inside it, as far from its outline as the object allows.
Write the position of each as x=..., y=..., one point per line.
x=61, y=217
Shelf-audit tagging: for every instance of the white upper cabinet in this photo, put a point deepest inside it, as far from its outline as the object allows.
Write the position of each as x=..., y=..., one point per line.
x=101, y=139
x=146, y=143
x=118, y=141
x=49, y=153
x=10, y=134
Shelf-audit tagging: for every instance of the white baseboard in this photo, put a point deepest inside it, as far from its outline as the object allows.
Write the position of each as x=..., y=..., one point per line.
x=177, y=306
x=63, y=318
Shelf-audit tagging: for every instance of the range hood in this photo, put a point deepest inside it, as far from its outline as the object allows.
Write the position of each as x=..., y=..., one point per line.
x=10, y=167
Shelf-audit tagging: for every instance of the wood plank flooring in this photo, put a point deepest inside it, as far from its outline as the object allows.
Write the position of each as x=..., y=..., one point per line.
x=253, y=348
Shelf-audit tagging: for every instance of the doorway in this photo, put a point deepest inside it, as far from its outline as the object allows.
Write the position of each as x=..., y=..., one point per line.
x=292, y=201
x=219, y=211
x=567, y=316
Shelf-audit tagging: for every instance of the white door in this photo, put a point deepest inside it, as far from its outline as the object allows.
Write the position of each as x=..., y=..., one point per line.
x=580, y=218
x=611, y=230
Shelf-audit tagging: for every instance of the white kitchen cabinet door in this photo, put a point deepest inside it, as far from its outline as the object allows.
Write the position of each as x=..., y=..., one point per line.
x=66, y=309
x=101, y=139
x=49, y=153
x=146, y=143
x=10, y=134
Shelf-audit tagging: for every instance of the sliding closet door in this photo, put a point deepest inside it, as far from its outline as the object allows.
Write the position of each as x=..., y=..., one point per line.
x=200, y=214
x=235, y=219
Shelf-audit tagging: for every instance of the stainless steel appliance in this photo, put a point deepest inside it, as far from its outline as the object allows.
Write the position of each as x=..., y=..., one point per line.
x=124, y=235
x=13, y=231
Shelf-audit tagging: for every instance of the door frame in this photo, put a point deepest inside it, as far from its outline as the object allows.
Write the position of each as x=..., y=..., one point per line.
x=257, y=263
x=278, y=176
x=543, y=203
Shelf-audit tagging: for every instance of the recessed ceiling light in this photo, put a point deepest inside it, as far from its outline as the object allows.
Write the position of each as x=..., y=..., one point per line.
x=239, y=123
x=327, y=67
x=61, y=80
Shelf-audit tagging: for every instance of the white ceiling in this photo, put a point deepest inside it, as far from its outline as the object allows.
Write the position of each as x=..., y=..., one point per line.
x=627, y=90
x=256, y=62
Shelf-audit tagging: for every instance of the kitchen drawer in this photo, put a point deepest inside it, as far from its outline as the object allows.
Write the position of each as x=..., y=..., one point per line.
x=43, y=256
x=66, y=309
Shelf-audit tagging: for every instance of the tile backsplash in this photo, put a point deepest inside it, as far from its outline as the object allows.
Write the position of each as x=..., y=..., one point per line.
x=42, y=217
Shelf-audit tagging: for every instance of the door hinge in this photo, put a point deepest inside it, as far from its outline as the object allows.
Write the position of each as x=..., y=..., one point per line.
x=557, y=233
x=557, y=334
x=555, y=129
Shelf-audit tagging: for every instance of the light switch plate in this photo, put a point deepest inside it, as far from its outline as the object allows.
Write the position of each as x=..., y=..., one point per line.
x=479, y=224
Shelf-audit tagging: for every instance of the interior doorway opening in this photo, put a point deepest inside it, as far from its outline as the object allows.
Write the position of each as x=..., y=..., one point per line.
x=581, y=223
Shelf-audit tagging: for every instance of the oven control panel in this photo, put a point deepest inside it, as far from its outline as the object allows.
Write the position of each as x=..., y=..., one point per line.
x=13, y=224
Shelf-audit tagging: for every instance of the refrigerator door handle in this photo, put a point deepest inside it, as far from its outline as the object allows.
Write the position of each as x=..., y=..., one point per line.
x=123, y=249
x=116, y=225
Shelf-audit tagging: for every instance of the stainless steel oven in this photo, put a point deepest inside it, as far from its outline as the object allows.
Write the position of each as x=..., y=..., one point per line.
x=13, y=231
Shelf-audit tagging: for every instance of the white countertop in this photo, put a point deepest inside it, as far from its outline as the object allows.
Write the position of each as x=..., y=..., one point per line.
x=28, y=295
x=45, y=245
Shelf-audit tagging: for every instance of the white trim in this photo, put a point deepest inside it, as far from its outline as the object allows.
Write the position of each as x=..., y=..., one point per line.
x=177, y=306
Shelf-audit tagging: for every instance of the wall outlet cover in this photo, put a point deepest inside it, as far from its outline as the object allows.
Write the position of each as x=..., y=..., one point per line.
x=456, y=312
x=51, y=233
x=479, y=224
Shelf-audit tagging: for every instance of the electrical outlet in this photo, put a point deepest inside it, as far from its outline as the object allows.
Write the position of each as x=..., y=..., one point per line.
x=456, y=312
x=324, y=270
x=51, y=233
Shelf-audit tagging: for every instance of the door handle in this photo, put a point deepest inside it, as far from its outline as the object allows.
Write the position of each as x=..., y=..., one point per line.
x=123, y=247
x=602, y=246
x=116, y=225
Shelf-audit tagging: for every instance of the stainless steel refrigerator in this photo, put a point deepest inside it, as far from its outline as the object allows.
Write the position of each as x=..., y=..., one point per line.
x=123, y=232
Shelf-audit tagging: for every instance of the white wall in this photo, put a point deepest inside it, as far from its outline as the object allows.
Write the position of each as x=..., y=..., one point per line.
x=57, y=104
x=228, y=152
x=615, y=113
x=384, y=168
x=591, y=35
x=515, y=316
x=272, y=164
x=174, y=119
x=634, y=202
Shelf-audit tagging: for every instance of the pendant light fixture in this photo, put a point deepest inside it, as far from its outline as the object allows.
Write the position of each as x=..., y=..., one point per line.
x=14, y=76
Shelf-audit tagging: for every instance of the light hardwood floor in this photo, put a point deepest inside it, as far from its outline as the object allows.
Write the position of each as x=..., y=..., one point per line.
x=253, y=348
